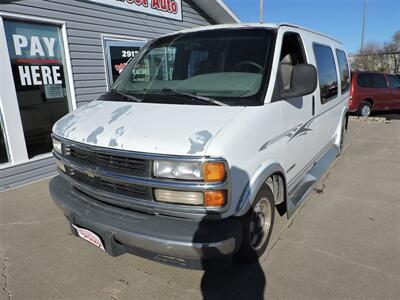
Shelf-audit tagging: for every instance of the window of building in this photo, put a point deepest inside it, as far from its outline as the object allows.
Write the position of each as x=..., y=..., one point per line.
x=394, y=82
x=38, y=65
x=344, y=71
x=118, y=52
x=328, y=81
x=371, y=80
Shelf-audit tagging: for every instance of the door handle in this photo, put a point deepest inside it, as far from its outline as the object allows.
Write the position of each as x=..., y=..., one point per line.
x=313, y=105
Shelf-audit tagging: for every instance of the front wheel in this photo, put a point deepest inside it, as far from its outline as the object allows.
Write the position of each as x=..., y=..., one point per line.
x=257, y=226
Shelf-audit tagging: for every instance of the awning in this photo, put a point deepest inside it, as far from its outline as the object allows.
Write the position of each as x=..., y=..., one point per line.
x=217, y=10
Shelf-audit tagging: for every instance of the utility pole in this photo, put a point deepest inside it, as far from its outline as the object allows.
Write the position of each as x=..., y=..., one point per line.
x=261, y=11
x=363, y=24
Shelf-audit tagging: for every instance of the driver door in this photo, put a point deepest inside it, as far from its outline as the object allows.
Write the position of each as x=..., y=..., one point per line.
x=298, y=113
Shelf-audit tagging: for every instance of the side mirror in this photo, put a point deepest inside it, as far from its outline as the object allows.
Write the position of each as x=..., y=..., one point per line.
x=303, y=81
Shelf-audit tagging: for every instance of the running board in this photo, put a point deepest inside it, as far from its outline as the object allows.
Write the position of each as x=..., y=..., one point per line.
x=300, y=192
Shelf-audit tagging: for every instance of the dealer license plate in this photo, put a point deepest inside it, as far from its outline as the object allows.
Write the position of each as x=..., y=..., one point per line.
x=90, y=237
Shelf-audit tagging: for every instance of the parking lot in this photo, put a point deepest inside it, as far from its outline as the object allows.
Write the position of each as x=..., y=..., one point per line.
x=343, y=243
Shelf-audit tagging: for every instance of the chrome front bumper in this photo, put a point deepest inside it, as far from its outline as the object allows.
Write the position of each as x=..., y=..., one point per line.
x=177, y=241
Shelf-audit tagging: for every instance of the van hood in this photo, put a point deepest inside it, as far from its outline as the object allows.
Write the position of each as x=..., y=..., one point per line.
x=146, y=127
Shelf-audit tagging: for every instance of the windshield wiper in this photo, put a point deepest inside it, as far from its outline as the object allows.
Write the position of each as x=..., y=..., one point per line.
x=197, y=97
x=127, y=96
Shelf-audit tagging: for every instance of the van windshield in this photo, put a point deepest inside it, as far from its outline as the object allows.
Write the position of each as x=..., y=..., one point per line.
x=229, y=66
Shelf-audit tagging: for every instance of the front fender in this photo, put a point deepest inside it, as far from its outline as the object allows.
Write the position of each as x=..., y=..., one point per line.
x=255, y=183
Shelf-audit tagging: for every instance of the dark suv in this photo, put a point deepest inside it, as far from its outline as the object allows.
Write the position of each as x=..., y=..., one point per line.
x=372, y=91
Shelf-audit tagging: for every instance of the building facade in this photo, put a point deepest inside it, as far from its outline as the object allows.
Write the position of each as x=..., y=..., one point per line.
x=56, y=55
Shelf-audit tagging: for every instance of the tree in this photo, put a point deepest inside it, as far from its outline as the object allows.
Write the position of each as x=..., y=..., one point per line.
x=370, y=58
x=375, y=57
x=393, y=50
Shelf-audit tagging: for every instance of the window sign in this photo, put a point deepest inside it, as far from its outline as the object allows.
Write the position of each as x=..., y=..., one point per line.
x=118, y=53
x=171, y=9
x=38, y=65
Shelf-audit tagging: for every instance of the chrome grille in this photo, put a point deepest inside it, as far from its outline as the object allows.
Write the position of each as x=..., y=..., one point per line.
x=132, y=166
x=130, y=190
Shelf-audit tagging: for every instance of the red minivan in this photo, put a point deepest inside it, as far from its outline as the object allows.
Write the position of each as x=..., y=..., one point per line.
x=373, y=91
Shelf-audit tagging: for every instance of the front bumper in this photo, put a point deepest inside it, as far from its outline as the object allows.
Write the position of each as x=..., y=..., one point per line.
x=182, y=242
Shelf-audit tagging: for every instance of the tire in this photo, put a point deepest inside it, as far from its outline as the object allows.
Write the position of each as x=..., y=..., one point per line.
x=256, y=236
x=342, y=138
x=365, y=109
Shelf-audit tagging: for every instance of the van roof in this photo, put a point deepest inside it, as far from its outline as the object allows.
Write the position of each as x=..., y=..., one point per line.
x=252, y=25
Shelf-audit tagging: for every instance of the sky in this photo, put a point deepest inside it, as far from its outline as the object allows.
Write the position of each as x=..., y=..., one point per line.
x=341, y=19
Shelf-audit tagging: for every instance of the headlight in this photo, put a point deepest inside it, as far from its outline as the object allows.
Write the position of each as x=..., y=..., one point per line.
x=178, y=170
x=206, y=171
x=57, y=146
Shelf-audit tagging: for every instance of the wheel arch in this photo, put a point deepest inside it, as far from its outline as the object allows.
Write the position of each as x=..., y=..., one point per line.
x=272, y=176
x=344, y=120
x=370, y=100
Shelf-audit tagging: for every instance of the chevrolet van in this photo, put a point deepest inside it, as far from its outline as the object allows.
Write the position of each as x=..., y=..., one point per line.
x=202, y=138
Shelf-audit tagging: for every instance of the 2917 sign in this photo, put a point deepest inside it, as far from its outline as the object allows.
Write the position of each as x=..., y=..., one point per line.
x=119, y=57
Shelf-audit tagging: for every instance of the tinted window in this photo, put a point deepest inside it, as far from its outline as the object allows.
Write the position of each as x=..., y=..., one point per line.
x=344, y=70
x=328, y=81
x=394, y=82
x=364, y=80
x=371, y=80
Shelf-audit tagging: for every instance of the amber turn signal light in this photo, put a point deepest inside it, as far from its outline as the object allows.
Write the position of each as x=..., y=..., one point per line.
x=214, y=198
x=214, y=171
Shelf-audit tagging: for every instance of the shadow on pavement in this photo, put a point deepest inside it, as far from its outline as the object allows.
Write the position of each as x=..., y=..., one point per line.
x=239, y=281
x=229, y=279
x=390, y=115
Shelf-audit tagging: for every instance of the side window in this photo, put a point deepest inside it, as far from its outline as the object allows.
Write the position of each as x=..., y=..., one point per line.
x=379, y=81
x=364, y=80
x=394, y=82
x=344, y=71
x=292, y=53
x=328, y=81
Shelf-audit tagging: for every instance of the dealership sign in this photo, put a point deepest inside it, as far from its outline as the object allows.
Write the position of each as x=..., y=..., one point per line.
x=171, y=9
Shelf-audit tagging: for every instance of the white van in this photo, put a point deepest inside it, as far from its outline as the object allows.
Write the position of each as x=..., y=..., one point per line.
x=204, y=134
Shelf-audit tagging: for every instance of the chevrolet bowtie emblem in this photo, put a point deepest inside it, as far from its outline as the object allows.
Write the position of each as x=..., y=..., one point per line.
x=89, y=173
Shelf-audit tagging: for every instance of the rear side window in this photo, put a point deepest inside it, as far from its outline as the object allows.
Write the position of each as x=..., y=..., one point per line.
x=371, y=80
x=394, y=82
x=327, y=76
x=344, y=70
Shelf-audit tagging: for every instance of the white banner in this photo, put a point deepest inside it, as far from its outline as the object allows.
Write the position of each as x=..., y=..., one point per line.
x=171, y=9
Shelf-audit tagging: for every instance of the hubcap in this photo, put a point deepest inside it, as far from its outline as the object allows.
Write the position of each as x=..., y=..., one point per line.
x=260, y=223
x=366, y=111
